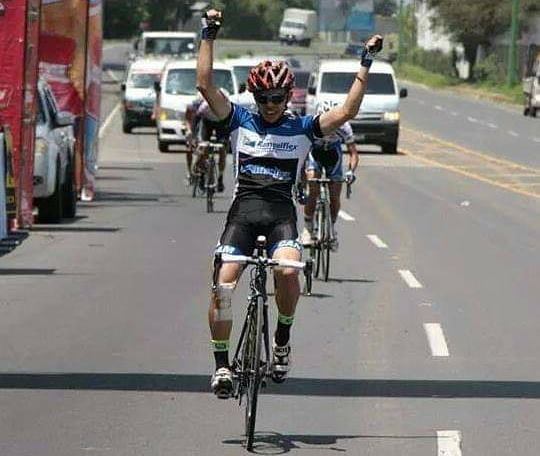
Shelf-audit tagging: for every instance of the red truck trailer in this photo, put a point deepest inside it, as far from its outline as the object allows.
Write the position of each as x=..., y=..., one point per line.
x=19, y=41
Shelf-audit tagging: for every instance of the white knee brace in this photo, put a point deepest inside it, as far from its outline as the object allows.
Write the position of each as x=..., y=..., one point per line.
x=224, y=294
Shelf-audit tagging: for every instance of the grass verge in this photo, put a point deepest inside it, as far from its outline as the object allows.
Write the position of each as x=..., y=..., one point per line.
x=484, y=90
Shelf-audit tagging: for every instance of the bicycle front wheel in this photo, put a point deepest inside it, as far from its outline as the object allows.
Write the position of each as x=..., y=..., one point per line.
x=254, y=339
x=325, y=247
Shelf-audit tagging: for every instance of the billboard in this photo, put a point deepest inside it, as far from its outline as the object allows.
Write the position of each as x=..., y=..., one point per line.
x=346, y=15
x=70, y=60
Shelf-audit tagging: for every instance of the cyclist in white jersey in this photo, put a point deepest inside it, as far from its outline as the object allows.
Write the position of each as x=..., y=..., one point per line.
x=270, y=148
x=327, y=154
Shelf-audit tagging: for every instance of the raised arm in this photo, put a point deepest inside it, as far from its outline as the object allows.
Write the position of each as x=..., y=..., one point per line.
x=218, y=102
x=333, y=119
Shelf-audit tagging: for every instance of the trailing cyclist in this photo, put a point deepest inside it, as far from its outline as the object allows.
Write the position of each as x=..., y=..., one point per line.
x=270, y=148
x=327, y=153
x=203, y=125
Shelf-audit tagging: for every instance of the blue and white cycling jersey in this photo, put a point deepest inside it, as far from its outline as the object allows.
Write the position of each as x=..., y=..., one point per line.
x=269, y=157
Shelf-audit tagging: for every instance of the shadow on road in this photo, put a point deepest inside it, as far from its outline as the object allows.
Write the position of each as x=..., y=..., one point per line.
x=192, y=383
x=26, y=271
x=276, y=443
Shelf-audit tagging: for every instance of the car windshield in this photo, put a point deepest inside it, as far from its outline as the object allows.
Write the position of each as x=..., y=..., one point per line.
x=241, y=73
x=301, y=79
x=183, y=81
x=294, y=25
x=378, y=83
x=168, y=46
x=143, y=80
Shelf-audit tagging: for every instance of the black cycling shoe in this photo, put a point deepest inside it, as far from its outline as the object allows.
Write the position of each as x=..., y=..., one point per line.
x=220, y=185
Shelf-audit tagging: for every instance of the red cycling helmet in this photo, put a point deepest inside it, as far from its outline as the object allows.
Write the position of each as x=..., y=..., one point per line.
x=270, y=75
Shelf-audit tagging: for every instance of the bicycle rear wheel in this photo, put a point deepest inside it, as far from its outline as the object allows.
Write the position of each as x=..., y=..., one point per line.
x=195, y=185
x=326, y=252
x=319, y=217
x=254, y=341
x=210, y=186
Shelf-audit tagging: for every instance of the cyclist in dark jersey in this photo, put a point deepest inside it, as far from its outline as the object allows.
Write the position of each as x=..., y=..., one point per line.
x=270, y=148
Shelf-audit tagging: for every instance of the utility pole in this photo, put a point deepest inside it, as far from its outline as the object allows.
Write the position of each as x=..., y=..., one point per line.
x=401, y=44
x=512, y=53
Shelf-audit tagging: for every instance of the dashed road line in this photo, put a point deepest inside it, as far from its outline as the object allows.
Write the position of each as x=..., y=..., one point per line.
x=536, y=140
x=492, y=125
x=436, y=340
x=513, y=133
x=439, y=108
x=454, y=113
x=377, y=241
x=345, y=216
x=449, y=443
x=410, y=279
x=108, y=120
x=472, y=119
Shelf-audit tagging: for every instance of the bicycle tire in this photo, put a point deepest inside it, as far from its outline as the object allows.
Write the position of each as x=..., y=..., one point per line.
x=326, y=252
x=254, y=380
x=210, y=200
x=308, y=277
x=319, y=217
x=195, y=185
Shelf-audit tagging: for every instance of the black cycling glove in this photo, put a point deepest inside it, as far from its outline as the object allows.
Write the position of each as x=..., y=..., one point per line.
x=210, y=27
x=369, y=52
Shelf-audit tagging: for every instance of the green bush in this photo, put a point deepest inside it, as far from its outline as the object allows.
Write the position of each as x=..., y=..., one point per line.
x=432, y=61
x=491, y=70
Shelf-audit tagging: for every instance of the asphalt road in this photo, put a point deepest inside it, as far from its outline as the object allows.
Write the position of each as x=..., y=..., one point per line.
x=425, y=341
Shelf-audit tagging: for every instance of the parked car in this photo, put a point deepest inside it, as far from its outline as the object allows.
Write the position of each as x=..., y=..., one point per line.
x=177, y=89
x=138, y=94
x=378, y=119
x=54, y=181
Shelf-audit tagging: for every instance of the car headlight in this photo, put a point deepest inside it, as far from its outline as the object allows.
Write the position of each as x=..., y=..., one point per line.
x=170, y=114
x=391, y=116
x=41, y=146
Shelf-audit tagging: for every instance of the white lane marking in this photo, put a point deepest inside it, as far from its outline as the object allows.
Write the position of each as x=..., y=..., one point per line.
x=422, y=102
x=345, y=216
x=448, y=443
x=472, y=119
x=112, y=76
x=536, y=140
x=377, y=241
x=454, y=113
x=108, y=120
x=437, y=342
x=492, y=125
x=439, y=108
x=512, y=133
x=410, y=279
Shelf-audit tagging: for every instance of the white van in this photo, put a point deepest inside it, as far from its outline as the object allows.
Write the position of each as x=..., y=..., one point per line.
x=378, y=119
x=178, y=89
x=138, y=94
x=169, y=44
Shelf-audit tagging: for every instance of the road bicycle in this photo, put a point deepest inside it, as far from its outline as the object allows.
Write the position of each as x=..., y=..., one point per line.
x=251, y=365
x=205, y=177
x=323, y=236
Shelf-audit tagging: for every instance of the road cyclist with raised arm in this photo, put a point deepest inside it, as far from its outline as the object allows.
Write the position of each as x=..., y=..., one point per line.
x=327, y=154
x=270, y=147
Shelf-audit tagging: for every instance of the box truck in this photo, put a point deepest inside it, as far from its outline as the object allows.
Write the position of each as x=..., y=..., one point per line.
x=299, y=26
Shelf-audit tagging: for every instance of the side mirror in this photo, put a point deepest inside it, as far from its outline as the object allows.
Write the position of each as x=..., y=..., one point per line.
x=157, y=86
x=242, y=87
x=403, y=93
x=123, y=87
x=64, y=119
x=311, y=90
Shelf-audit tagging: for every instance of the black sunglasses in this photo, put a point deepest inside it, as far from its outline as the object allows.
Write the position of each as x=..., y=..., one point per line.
x=276, y=98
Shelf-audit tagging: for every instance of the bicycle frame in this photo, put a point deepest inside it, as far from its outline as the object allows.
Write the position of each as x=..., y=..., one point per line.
x=250, y=369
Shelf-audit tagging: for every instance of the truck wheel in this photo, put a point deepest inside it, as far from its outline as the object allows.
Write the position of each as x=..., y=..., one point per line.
x=389, y=148
x=50, y=209
x=307, y=43
x=163, y=147
x=69, y=194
